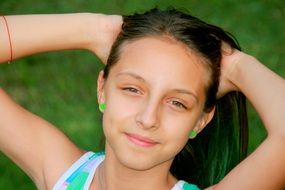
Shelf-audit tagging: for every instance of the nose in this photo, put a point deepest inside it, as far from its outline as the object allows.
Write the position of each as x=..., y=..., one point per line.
x=148, y=117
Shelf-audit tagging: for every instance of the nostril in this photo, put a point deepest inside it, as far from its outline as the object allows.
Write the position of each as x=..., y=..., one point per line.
x=147, y=121
x=148, y=115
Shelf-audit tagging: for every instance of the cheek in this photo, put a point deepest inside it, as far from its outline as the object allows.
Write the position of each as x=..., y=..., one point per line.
x=175, y=133
x=120, y=111
x=119, y=106
x=177, y=128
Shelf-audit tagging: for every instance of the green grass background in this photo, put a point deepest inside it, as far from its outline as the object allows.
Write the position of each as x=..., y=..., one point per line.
x=61, y=86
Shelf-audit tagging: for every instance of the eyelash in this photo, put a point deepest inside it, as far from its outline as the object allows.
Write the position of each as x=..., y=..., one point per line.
x=131, y=89
x=174, y=102
x=179, y=104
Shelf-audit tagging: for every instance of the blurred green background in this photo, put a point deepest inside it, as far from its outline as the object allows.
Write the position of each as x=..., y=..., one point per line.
x=61, y=86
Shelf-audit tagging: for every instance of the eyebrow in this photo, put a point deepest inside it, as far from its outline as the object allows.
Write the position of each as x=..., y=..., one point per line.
x=132, y=75
x=181, y=91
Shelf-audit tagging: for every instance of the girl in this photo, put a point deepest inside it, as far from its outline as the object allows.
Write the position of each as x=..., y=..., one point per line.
x=159, y=89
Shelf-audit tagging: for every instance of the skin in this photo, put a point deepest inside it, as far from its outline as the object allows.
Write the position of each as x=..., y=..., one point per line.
x=264, y=169
x=33, y=34
x=161, y=99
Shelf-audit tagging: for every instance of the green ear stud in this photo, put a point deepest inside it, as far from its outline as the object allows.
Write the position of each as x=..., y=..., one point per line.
x=192, y=134
x=102, y=107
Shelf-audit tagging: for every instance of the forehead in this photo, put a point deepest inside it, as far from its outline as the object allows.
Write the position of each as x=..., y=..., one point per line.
x=164, y=60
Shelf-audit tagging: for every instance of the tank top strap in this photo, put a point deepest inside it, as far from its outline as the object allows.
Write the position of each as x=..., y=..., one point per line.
x=183, y=185
x=79, y=176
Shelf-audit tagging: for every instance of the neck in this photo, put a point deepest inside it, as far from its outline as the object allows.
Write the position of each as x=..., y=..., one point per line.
x=111, y=174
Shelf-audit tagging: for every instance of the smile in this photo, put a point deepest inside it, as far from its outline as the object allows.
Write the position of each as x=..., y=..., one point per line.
x=140, y=140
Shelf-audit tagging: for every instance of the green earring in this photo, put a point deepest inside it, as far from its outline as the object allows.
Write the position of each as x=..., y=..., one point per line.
x=192, y=134
x=102, y=107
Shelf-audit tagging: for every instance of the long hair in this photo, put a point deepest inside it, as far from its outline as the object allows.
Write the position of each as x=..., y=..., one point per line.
x=206, y=159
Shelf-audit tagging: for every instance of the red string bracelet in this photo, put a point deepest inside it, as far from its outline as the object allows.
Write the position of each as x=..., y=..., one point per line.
x=9, y=37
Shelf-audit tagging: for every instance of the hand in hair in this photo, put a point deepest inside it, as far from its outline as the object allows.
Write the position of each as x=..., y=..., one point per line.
x=109, y=27
x=266, y=92
x=230, y=58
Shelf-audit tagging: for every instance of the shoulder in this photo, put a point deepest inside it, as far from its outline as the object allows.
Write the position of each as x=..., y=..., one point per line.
x=83, y=170
x=35, y=145
x=56, y=167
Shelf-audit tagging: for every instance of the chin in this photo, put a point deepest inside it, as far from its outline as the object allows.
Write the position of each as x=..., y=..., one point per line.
x=141, y=160
x=138, y=164
x=135, y=156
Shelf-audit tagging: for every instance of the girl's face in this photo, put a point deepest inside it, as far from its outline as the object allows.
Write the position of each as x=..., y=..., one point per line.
x=154, y=97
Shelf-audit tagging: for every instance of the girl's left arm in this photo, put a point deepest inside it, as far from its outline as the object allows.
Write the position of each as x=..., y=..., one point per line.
x=264, y=168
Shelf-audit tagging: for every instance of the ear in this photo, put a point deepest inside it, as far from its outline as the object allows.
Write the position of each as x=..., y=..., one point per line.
x=204, y=119
x=100, y=87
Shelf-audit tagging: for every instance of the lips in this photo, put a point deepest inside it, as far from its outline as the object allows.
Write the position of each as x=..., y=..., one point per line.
x=140, y=140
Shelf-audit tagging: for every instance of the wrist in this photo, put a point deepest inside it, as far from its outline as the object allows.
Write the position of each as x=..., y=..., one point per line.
x=241, y=70
x=100, y=32
x=83, y=36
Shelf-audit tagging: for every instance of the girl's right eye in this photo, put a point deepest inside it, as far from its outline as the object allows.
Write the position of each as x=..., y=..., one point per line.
x=131, y=89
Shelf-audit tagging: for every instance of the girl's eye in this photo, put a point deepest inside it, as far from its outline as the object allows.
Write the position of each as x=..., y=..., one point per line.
x=178, y=104
x=131, y=89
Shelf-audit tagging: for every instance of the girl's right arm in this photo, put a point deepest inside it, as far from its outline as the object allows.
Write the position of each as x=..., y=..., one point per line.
x=38, y=147
x=32, y=34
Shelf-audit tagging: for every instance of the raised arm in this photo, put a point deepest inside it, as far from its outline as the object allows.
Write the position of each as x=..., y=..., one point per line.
x=32, y=34
x=265, y=168
x=39, y=148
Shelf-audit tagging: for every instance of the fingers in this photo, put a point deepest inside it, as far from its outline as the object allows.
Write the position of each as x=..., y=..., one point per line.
x=230, y=57
x=226, y=49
